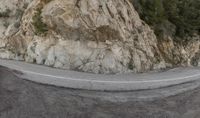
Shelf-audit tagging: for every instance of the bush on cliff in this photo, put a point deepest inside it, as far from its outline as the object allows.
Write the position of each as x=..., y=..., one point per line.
x=39, y=25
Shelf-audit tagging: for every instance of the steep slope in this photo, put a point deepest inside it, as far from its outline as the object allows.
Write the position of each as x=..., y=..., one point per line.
x=98, y=36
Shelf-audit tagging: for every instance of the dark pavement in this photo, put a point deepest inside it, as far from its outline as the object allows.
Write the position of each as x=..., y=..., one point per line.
x=24, y=99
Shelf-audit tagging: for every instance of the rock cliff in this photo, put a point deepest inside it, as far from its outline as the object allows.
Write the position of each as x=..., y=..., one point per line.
x=86, y=35
x=97, y=36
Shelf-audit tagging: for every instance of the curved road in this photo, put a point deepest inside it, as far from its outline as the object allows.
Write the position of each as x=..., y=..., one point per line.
x=88, y=81
x=24, y=99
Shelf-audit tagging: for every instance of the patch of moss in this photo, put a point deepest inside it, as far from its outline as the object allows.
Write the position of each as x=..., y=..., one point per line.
x=40, y=27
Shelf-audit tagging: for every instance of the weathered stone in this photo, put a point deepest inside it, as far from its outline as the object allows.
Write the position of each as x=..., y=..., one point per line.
x=87, y=35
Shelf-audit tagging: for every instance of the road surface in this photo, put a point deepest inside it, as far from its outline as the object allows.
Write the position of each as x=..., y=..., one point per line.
x=24, y=99
x=88, y=81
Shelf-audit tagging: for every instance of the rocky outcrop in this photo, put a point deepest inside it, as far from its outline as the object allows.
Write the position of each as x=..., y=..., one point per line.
x=91, y=36
x=11, y=12
x=180, y=54
x=85, y=35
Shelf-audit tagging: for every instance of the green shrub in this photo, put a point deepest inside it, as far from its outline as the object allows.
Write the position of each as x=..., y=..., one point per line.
x=39, y=25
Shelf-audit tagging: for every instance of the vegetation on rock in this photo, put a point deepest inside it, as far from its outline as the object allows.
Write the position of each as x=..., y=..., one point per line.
x=39, y=25
x=184, y=14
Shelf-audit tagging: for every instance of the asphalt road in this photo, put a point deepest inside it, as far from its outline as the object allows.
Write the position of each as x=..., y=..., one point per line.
x=113, y=82
x=24, y=99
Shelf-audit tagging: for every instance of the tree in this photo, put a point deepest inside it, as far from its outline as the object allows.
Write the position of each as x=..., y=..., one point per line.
x=185, y=14
x=152, y=11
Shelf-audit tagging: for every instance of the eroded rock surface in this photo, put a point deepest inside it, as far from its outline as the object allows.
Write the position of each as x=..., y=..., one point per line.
x=86, y=35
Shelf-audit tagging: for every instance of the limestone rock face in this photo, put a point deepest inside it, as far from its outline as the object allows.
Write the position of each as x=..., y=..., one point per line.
x=181, y=54
x=97, y=36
